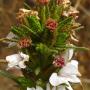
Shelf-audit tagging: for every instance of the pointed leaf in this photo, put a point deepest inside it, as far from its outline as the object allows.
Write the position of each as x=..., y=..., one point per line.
x=34, y=24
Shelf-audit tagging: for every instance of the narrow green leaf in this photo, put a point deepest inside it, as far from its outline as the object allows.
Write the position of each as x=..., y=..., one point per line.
x=17, y=31
x=58, y=11
x=29, y=30
x=52, y=6
x=34, y=24
x=21, y=81
x=8, y=75
x=47, y=12
x=42, y=13
x=6, y=39
x=62, y=38
x=64, y=23
x=73, y=47
x=25, y=82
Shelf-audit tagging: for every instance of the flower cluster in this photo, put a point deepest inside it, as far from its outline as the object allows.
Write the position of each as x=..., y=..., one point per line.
x=24, y=13
x=17, y=60
x=67, y=74
x=44, y=50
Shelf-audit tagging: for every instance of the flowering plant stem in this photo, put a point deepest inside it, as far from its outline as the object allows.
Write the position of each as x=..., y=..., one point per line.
x=73, y=47
x=6, y=39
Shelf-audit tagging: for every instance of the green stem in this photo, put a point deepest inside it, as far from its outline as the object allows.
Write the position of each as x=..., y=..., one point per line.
x=73, y=47
x=43, y=15
x=6, y=39
x=8, y=75
x=48, y=11
x=55, y=34
x=56, y=88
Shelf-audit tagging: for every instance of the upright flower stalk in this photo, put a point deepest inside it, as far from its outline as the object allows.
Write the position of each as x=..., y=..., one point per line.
x=42, y=38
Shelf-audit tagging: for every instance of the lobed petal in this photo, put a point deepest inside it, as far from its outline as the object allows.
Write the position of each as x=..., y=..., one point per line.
x=13, y=60
x=55, y=80
x=73, y=79
x=71, y=68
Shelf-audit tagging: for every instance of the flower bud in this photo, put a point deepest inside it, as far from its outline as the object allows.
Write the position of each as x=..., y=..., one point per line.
x=51, y=24
x=59, y=61
x=43, y=2
x=24, y=43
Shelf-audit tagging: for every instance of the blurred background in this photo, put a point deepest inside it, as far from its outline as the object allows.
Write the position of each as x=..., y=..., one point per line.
x=8, y=10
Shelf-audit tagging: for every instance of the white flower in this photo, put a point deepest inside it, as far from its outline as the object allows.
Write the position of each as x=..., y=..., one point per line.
x=67, y=74
x=48, y=87
x=37, y=88
x=11, y=36
x=17, y=60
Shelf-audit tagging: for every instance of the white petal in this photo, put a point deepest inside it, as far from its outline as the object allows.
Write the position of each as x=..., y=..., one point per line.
x=71, y=68
x=73, y=79
x=70, y=72
x=30, y=88
x=17, y=60
x=11, y=65
x=55, y=80
x=11, y=35
x=75, y=63
x=68, y=54
x=24, y=56
x=13, y=60
x=71, y=52
x=21, y=64
x=39, y=88
x=63, y=87
x=11, y=44
x=69, y=86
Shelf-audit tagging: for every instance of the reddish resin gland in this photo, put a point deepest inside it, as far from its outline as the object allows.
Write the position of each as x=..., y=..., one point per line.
x=59, y=61
x=25, y=42
x=51, y=24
